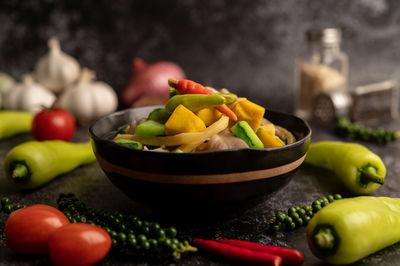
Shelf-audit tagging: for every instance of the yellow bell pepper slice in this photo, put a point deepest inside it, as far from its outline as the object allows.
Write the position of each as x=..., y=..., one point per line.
x=269, y=140
x=270, y=128
x=215, y=128
x=250, y=112
x=182, y=120
x=209, y=115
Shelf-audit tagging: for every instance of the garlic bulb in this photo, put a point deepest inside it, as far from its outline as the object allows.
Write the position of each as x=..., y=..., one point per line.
x=88, y=100
x=28, y=96
x=6, y=83
x=56, y=70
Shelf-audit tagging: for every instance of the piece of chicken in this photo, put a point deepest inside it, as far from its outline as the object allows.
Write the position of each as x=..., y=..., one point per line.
x=224, y=141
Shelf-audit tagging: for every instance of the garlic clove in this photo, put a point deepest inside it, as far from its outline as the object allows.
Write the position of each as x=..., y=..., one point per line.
x=87, y=75
x=88, y=100
x=108, y=94
x=29, y=96
x=12, y=99
x=6, y=83
x=56, y=70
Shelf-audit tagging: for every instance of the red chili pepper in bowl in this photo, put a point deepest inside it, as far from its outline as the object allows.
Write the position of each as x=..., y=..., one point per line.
x=185, y=86
x=227, y=111
x=237, y=254
x=289, y=256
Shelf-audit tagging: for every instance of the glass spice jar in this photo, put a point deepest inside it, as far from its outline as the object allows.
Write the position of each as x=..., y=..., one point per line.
x=324, y=67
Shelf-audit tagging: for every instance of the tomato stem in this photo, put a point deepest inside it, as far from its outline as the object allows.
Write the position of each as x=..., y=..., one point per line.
x=20, y=172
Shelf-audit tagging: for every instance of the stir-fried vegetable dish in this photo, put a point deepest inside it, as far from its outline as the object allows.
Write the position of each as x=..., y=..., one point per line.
x=198, y=118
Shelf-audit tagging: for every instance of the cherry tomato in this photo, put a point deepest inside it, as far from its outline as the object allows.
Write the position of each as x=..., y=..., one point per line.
x=53, y=124
x=78, y=244
x=28, y=230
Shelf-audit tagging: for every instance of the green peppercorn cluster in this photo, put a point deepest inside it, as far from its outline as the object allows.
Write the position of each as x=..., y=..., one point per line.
x=345, y=128
x=300, y=216
x=128, y=233
x=8, y=207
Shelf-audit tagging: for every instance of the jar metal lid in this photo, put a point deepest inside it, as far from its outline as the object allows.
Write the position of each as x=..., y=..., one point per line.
x=328, y=36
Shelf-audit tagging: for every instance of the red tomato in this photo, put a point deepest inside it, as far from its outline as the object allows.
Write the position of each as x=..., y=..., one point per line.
x=78, y=244
x=28, y=230
x=53, y=124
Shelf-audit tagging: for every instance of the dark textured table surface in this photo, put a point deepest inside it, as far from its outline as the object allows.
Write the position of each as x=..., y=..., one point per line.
x=91, y=185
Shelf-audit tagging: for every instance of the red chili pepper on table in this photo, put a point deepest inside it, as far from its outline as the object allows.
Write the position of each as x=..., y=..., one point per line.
x=185, y=86
x=237, y=254
x=289, y=256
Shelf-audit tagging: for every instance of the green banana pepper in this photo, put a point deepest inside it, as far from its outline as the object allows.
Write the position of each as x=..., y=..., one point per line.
x=34, y=163
x=14, y=122
x=348, y=230
x=159, y=115
x=359, y=169
x=194, y=102
x=229, y=97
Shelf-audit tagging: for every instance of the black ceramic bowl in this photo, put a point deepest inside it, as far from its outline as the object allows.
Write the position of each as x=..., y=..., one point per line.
x=210, y=179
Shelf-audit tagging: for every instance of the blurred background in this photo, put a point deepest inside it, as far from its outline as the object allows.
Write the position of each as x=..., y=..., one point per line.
x=249, y=47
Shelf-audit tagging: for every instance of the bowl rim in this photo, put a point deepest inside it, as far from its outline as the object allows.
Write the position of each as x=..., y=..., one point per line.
x=298, y=142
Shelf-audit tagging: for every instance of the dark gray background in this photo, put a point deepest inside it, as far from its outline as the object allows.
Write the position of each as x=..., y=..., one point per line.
x=246, y=46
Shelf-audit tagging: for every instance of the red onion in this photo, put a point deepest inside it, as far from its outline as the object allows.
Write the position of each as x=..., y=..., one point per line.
x=150, y=79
